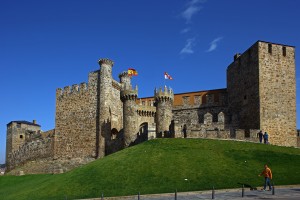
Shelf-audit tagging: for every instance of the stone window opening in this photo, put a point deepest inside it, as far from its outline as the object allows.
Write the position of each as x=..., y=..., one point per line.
x=270, y=48
x=114, y=133
x=247, y=133
x=245, y=97
x=284, y=51
x=18, y=125
x=21, y=136
x=215, y=117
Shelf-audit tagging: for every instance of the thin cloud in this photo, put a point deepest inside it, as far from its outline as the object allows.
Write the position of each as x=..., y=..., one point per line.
x=183, y=31
x=188, y=48
x=193, y=8
x=214, y=44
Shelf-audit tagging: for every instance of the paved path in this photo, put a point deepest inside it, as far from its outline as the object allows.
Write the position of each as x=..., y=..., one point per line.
x=281, y=192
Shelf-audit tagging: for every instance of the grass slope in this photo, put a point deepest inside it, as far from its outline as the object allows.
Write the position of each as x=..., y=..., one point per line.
x=160, y=166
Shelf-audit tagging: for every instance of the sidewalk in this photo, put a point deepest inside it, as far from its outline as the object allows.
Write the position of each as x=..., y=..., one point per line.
x=291, y=192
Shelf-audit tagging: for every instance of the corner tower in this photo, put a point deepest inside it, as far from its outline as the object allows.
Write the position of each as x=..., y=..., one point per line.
x=128, y=97
x=17, y=132
x=104, y=105
x=164, y=103
x=261, y=88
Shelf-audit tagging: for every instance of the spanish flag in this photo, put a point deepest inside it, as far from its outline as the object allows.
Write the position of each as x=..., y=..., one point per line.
x=132, y=72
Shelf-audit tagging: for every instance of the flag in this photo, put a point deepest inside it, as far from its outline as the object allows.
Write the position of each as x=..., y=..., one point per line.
x=167, y=76
x=132, y=72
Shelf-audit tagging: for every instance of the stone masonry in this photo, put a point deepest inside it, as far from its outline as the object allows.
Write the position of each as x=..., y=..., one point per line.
x=103, y=116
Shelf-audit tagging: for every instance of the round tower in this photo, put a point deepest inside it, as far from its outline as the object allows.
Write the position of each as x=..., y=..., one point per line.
x=125, y=80
x=164, y=103
x=104, y=104
x=128, y=97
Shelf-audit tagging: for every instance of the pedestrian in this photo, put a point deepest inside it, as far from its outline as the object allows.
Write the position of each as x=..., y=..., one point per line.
x=268, y=177
x=266, y=138
x=260, y=136
x=184, y=131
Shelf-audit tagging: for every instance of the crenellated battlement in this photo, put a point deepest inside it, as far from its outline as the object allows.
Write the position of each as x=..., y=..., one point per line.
x=129, y=94
x=146, y=110
x=124, y=74
x=106, y=61
x=69, y=90
x=164, y=95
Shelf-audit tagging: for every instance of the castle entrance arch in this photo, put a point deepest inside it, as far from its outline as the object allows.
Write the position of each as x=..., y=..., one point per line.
x=143, y=132
x=114, y=133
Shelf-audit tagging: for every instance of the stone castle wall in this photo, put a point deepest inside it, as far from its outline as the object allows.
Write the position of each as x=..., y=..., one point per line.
x=34, y=150
x=209, y=113
x=16, y=138
x=75, y=120
x=277, y=91
x=93, y=119
x=243, y=90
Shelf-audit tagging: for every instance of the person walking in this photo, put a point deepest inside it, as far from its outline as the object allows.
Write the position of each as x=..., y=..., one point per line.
x=268, y=177
x=260, y=136
x=266, y=138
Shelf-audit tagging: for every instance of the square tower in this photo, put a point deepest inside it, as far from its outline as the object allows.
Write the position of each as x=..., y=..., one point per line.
x=261, y=87
x=17, y=131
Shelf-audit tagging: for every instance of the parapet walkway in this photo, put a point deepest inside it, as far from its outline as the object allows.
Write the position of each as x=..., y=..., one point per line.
x=291, y=192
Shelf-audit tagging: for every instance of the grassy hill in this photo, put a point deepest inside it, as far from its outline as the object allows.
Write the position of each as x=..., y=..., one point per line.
x=160, y=166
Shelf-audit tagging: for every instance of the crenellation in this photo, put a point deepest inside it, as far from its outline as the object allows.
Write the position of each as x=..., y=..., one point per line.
x=83, y=87
x=103, y=116
x=75, y=88
x=67, y=90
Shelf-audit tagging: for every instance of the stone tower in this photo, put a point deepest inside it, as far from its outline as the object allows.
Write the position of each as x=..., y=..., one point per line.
x=104, y=105
x=17, y=132
x=128, y=97
x=262, y=91
x=164, y=103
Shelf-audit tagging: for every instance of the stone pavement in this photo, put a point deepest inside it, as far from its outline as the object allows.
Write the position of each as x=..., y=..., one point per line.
x=291, y=192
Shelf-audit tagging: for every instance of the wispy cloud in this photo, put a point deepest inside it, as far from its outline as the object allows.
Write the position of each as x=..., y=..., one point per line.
x=193, y=8
x=188, y=48
x=214, y=44
x=183, y=31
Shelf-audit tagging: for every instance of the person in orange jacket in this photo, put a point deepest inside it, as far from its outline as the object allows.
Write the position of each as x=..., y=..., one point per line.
x=268, y=177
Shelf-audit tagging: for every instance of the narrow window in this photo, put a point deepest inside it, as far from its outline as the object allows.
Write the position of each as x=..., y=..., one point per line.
x=247, y=133
x=245, y=97
x=284, y=51
x=270, y=48
x=21, y=136
x=18, y=125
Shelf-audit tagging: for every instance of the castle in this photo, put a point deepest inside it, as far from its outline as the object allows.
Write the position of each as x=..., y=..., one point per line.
x=103, y=116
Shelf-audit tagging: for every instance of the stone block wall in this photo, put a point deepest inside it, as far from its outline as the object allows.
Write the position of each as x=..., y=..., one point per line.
x=277, y=91
x=243, y=90
x=16, y=137
x=117, y=108
x=205, y=117
x=246, y=134
x=75, y=120
x=32, y=151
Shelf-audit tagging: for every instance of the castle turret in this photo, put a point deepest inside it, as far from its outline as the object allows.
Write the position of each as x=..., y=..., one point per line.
x=128, y=97
x=164, y=103
x=105, y=91
x=125, y=80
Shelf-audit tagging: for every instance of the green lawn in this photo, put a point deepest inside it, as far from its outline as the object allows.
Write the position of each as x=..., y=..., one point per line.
x=160, y=166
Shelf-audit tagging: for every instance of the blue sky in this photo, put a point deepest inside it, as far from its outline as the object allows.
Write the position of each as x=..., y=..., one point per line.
x=46, y=45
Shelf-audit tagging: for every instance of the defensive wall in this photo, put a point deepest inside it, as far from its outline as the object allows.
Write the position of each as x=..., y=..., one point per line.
x=103, y=116
x=34, y=150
